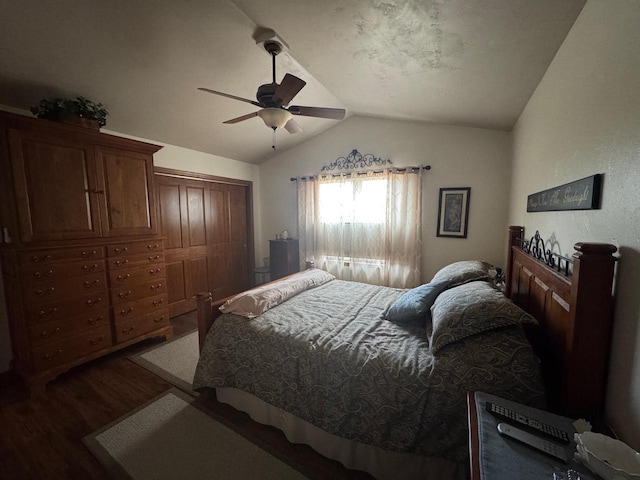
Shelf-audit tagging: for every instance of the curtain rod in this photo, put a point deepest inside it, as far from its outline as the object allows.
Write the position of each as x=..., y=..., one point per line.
x=412, y=169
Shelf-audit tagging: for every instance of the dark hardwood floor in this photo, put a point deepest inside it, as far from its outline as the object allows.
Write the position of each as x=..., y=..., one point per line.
x=41, y=438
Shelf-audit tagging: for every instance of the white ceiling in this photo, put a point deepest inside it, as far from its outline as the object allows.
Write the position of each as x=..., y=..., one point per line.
x=461, y=62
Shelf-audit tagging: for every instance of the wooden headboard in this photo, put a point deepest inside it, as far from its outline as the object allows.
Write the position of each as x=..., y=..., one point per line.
x=572, y=300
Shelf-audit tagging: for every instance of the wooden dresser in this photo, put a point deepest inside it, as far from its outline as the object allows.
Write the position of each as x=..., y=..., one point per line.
x=82, y=261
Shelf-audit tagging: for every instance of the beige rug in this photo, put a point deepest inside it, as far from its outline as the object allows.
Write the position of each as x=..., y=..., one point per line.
x=175, y=360
x=173, y=437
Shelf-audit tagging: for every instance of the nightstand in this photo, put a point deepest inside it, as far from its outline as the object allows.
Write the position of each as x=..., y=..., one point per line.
x=285, y=258
x=493, y=457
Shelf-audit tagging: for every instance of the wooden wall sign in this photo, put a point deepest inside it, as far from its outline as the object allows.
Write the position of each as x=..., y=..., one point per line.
x=583, y=194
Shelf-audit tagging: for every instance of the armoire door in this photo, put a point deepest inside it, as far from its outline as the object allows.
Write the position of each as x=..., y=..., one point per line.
x=208, y=237
x=126, y=186
x=55, y=187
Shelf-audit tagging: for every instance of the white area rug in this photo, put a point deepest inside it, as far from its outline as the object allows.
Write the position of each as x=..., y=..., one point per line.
x=175, y=360
x=173, y=437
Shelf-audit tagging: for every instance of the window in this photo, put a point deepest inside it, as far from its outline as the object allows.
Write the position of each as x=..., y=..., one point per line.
x=363, y=227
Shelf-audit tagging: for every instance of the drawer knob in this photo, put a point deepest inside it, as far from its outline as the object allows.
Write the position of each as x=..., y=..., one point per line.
x=118, y=250
x=156, y=287
x=124, y=294
x=120, y=263
x=153, y=247
x=51, y=356
x=94, y=321
x=89, y=284
x=37, y=259
x=47, y=334
x=44, y=313
x=158, y=302
x=47, y=291
x=129, y=330
x=159, y=319
x=154, y=258
x=88, y=254
x=122, y=278
x=154, y=272
x=38, y=274
x=89, y=268
x=96, y=341
x=93, y=303
x=124, y=312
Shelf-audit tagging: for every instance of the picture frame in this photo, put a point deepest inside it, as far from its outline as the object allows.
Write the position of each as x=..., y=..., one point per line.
x=453, y=212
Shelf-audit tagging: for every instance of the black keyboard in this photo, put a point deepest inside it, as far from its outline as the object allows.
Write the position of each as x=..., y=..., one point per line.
x=528, y=423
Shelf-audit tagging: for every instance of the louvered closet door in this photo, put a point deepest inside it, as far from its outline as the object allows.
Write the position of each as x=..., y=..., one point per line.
x=205, y=228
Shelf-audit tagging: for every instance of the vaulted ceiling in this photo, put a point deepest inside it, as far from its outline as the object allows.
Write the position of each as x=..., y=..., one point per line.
x=460, y=62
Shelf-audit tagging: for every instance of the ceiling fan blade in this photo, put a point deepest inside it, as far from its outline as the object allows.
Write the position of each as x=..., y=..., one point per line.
x=288, y=89
x=333, y=113
x=242, y=118
x=292, y=126
x=252, y=102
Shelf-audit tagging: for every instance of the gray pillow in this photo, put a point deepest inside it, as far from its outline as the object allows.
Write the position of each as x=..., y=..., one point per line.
x=462, y=272
x=415, y=304
x=472, y=309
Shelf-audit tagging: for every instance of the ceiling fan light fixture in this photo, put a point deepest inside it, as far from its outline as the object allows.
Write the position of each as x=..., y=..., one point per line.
x=274, y=117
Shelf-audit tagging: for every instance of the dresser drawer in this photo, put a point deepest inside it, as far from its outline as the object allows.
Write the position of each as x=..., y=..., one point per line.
x=129, y=328
x=39, y=272
x=134, y=248
x=44, y=333
x=135, y=291
x=136, y=308
x=43, y=293
x=61, y=254
x=127, y=261
x=134, y=275
x=85, y=305
x=57, y=353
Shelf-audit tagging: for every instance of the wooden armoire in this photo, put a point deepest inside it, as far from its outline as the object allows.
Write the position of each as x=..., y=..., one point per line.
x=82, y=260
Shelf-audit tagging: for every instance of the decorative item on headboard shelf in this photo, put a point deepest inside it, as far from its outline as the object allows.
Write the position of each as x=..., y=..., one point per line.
x=536, y=248
x=356, y=160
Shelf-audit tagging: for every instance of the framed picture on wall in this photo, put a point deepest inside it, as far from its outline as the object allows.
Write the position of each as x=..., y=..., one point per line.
x=453, y=212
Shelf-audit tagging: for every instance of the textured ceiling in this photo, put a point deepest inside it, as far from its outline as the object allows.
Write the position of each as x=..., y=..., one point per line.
x=461, y=62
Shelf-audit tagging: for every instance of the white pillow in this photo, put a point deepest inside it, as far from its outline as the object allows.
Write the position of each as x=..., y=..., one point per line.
x=254, y=302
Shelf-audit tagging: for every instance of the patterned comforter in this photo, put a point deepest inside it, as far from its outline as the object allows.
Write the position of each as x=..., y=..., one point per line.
x=329, y=357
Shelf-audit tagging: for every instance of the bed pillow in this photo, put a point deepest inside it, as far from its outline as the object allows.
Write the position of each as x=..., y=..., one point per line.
x=415, y=304
x=471, y=309
x=459, y=273
x=254, y=302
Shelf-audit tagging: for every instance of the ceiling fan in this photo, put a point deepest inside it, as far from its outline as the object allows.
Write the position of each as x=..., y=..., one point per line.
x=273, y=99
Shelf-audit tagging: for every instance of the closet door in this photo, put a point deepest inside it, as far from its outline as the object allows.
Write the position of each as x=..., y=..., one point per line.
x=199, y=218
x=183, y=224
x=229, y=260
x=55, y=186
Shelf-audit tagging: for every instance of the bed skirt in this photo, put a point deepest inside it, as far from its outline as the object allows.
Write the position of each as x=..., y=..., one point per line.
x=382, y=464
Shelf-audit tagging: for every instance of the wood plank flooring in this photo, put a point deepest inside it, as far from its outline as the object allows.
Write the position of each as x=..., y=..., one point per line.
x=42, y=438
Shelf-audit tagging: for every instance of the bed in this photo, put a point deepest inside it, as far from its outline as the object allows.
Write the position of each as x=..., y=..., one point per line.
x=358, y=373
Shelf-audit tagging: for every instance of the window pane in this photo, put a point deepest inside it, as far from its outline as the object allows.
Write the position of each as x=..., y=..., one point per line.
x=359, y=201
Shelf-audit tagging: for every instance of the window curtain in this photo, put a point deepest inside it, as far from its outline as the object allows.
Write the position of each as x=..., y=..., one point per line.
x=363, y=227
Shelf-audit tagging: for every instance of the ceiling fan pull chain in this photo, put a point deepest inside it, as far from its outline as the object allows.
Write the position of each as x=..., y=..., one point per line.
x=273, y=143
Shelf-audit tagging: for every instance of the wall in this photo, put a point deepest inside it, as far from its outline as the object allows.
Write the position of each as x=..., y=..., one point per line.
x=169, y=157
x=459, y=156
x=584, y=118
